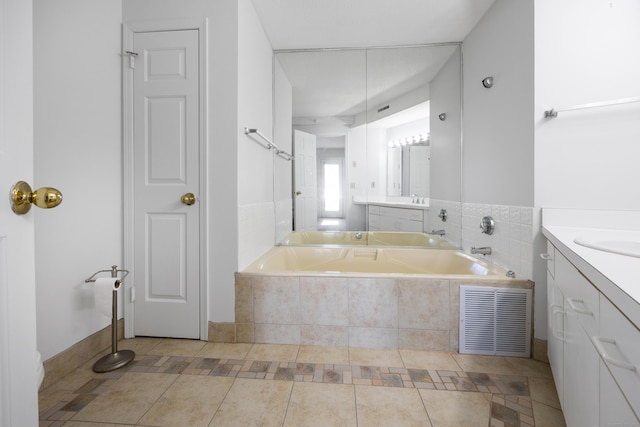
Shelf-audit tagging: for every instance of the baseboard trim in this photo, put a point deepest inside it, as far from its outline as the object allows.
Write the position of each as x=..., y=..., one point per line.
x=540, y=350
x=78, y=354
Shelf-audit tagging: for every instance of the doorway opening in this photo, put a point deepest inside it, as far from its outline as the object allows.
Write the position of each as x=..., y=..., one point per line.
x=330, y=154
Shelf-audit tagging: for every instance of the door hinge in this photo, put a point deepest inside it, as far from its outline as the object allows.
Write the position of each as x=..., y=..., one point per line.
x=132, y=58
x=133, y=294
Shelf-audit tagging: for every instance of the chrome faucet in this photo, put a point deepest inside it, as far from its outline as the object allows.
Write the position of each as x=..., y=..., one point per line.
x=438, y=232
x=482, y=251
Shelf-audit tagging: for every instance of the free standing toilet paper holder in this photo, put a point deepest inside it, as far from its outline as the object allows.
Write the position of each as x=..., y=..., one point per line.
x=117, y=359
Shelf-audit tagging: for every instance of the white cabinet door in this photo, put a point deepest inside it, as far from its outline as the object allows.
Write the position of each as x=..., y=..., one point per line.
x=614, y=408
x=581, y=363
x=555, y=342
x=618, y=347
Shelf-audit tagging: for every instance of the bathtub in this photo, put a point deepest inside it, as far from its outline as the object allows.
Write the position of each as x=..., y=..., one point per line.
x=287, y=260
x=359, y=296
x=364, y=238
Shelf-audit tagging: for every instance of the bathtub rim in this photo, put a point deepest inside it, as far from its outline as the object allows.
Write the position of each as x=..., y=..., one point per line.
x=502, y=277
x=282, y=242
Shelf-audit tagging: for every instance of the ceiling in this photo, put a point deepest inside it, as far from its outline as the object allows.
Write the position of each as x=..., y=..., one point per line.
x=338, y=83
x=302, y=24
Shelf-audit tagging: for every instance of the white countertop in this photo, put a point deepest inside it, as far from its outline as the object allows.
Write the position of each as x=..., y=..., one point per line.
x=616, y=276
x=399, y=202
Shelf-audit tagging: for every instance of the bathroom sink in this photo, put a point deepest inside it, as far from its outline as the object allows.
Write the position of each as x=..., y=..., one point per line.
x=622, y=246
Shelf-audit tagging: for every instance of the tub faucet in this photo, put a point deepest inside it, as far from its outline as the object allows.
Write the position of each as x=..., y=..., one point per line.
x=438, y=232
x=482, y=251
x=358, y=235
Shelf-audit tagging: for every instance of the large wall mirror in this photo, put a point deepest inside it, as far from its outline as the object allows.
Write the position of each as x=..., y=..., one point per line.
x=376, y=136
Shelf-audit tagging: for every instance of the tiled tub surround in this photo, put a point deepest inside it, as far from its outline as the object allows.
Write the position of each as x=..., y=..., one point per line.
x=410, y=311
x=511, y=242
x=366, y=238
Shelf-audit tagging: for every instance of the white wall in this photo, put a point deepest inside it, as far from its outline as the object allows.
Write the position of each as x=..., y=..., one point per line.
x=498, y=143
x=445, y=135
x=497, y=125
x=356, y=169
x=587, y=159
x=255, y=169
x=78, y=149
x=283, y=115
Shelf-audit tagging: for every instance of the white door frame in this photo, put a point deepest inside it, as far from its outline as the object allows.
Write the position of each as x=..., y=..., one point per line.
x=128, y=31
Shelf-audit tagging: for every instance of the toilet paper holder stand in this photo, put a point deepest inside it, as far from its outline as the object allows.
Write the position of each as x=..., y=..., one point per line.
x=116, y=359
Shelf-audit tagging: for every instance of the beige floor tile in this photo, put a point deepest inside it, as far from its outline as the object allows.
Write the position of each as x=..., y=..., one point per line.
x=543, y=390
x=190, y=401
x=49, y=398
x=177, y=347
x=485, y=364
x=375, y=357
x=74, y=380
x=386, y=406
x=456, y=408
x=321, y=405
x=139, y=345
x=279, y=352
x=327, y=355
x=254, y=403
x=530, y=367
x=546, y=416
x=225, y=351
x=83, y=424
x=429, y=360
x=127, y=399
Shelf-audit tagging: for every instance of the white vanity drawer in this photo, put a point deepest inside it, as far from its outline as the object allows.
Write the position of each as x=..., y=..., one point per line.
x=581, y=297
x=374, y=210
x=617, y=344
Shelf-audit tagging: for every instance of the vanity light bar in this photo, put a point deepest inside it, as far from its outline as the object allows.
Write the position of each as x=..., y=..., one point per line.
x=415, y=139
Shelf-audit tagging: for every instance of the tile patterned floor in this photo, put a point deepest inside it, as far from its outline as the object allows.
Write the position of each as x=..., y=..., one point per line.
x=194, y=383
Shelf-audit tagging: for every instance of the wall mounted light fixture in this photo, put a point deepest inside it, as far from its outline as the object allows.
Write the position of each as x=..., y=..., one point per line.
x=487, y=82
x=442, y=116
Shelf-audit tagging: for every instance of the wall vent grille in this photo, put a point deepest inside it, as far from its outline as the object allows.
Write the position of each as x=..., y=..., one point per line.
x=495, y=321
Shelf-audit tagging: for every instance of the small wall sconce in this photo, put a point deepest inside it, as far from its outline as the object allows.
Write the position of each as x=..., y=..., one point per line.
x=442, y=116
x=487, y=82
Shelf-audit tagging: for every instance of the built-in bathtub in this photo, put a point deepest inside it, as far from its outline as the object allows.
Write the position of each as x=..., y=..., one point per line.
x=366, y=238
x=371, y=297
x=370, y=261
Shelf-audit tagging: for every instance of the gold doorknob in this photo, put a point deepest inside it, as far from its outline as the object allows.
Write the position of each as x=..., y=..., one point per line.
x=298, y=193
x=188, y=199
x=22, y=197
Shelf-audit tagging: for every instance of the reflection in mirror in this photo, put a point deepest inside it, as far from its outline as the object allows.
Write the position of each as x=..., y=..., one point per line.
x=370, y=151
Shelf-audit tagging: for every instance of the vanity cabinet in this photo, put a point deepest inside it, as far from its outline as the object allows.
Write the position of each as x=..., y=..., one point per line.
x=396, y=219
x=591, y=350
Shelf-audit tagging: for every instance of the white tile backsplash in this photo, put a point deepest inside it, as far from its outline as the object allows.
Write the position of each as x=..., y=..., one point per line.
x=512, y=240
x=256, y=232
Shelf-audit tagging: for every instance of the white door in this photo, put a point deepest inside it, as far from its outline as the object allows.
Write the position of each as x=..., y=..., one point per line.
x=20, y=364
x=166, y=168
x=305, y=181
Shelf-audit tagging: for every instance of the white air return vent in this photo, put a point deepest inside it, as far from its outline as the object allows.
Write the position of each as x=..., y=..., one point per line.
x=495, y=321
